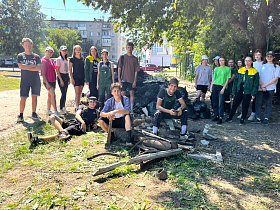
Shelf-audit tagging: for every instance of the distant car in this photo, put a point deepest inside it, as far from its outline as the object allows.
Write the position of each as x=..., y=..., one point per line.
x=9, y=62
x=151, y=67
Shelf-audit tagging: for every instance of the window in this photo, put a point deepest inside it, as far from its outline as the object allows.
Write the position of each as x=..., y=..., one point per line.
x=113, y=41
x=106, y=40
x=82, y=25
x=98, y=33
x=97, y=26
x=113, y=49
x=69, y=25
x=90, y=26
x=55, y=25
x=113, y=34
x=91, y=33
x=84, y=33
x=98, y=42
x=113, y=56
x=106, y=26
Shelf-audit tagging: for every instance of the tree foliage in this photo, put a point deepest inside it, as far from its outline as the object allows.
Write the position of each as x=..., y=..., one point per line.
x=20, y=18
x=225, y=27
x=57, y=37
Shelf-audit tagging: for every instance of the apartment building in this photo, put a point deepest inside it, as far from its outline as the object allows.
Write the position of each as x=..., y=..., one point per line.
x=97, y=32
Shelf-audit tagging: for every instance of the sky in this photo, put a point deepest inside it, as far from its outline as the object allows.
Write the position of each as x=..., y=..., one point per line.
x=72, y=10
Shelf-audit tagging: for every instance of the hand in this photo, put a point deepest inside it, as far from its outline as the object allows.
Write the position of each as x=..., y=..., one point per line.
x=62, y=83
x=263, y=86
x=180, y=112
x=84, y=127
x=264, y=89
x=119, y=79
x=111, y=115
x=171, y=112
x=97, y=87
x=73, y=82
x=253, y=97
x=134, y=84
x=94, y=127
x=222, y=91
x=48, y=86
x=195, y=85
x=209, y=87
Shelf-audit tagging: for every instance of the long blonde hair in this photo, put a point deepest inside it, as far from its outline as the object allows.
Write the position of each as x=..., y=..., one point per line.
x=93, y=47
x=77, y=46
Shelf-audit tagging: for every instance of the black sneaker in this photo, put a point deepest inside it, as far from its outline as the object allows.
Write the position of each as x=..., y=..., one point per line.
x=30, y=137
x=265, y=121
x=33, y=139
x=220, y=121
x=258, y=121
x=20, y=119
x=63, y=136
x=228, y=120
x=35, y=116
x=215, y=119
x=241, y=122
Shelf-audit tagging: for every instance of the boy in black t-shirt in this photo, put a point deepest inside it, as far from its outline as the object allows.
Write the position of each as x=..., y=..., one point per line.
x=165, y=103
x=76, y=126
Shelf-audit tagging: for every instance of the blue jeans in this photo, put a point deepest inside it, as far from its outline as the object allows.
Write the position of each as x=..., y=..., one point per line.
x=267, y=100
x=218, y=101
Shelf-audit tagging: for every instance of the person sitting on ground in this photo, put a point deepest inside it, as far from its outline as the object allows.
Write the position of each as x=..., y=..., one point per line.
x=244, y=89
x=76, y=126
x=165, y=106
x=117, y=109
x=203, y=78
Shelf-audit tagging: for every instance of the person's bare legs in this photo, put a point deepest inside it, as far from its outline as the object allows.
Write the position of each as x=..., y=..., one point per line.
x=51, y=99
x=131, y=93
x=34, y=103
x=104, y=126
x=22, y=104
x=198, y=93
x=123, y=93
x=78, y=92
x=127, y=122
x=57, y=122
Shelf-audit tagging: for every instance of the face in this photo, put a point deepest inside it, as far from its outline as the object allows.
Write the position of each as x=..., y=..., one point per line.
x=222, y=61
x=172, y=88
x=216, y=62
x=269, y=58
x=248, y=61
x=104, y=55
x=48, y=53
x=63, y=52
x=258, y=56
x=93, y=52
x=129, y=49
x=239, y=63
x=204, y=62
x=27, y=46
x=231, y=63
x=116, y=92
x=91, y=104
x=78, y=51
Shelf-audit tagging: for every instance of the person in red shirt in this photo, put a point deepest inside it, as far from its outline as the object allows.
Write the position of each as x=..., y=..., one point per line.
x=49, y=80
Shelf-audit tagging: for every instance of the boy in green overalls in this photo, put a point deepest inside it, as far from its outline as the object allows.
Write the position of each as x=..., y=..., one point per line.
x=105, y=77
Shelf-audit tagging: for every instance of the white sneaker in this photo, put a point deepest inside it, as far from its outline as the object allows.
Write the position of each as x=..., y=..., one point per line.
x=49, y=113
x=239, y=117
x=252, y=117
x=57, y=114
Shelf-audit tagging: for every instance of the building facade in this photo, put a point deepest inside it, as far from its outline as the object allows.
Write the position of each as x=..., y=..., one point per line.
x=97, y=32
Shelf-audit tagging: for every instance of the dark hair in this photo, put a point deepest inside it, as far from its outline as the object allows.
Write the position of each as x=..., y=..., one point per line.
x=274, y=61
x=231, y=59
x=249, y=56
x=223, y=58
x=241, y=62
x=62, y=56
x=257, y=51
x=130, y=44
x=115, y=85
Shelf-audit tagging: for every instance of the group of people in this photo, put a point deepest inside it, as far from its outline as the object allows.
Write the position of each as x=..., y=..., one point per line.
x=255, y=82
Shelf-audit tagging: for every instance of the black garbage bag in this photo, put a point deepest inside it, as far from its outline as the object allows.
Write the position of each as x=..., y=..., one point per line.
x=199, y=106
x=191, y=113
x=205, y=114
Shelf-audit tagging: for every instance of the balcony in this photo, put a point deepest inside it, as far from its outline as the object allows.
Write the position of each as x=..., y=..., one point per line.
x=106, y=44
x=84, y=36
x=82, y=28
x=106, y=37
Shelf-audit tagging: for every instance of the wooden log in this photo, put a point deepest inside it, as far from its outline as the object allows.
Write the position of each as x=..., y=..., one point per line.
x=137, y=160
x=109, y=133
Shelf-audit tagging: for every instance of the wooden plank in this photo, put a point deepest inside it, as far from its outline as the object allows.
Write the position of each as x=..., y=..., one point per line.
x=109, y=133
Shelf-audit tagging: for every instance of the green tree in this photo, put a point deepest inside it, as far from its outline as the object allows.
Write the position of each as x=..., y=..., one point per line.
x=57, y=37
x=20, y=18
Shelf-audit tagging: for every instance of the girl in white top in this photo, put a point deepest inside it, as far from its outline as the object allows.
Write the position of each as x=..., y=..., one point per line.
x=62, y=76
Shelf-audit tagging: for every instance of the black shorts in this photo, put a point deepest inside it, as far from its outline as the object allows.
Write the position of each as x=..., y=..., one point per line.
x=79, y=81
x=52, y=84
x=73, y=127
x=203, y=88
x=127, y=86
x=117, y=123
x=26, y=84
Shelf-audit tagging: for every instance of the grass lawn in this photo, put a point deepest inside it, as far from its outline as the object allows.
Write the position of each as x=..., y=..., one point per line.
x=9, y=83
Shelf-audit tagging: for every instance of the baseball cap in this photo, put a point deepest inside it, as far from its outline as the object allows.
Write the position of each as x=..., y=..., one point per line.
x=104, y=50
x=92, y=98
x=270, y=53
x=216, y=58
x=204, y=57
x=63, y=47
x=174, y=81
x=49, y=48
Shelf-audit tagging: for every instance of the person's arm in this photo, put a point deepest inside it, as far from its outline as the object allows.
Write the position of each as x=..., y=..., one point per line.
x=211, y=87
x=255, y=85
x=231, y=79
x=119, y=69
x=224, y=88
x=275, y=79
x=112, y=70
x=58, y=73
x=71, y=72
x=80, y=119
x=159, y=107
x=137, y=68
x=36, y=67
x=97, y=81
x=135, y=80
x=87, y=75
x=195, y=81
x=182, y=107
x=210, y=81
